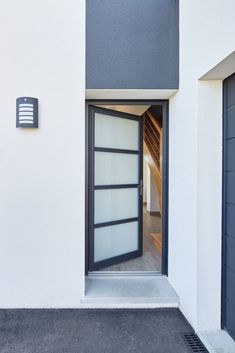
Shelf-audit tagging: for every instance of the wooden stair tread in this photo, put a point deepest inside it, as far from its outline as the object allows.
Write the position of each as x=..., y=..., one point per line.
x=157, y=241
x=156, y=236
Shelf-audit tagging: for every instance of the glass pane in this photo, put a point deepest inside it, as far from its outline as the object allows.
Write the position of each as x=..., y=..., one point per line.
x=115, y=204
x=116, y=168
x=115, y=240
x=115, y=132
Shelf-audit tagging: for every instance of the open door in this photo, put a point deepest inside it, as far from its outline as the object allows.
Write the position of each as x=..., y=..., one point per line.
x=115, y=187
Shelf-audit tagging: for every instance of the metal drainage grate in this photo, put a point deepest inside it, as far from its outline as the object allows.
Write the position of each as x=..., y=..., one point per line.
x=194, y=343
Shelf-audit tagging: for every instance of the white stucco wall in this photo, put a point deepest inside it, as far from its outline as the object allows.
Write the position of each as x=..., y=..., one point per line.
x=42, y=170
x=207, y=36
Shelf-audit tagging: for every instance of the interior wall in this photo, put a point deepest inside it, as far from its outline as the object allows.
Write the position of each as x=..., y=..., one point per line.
x=131, y=109
x=145, y=186
x=152, y=195
x=42, y=170
x=195, y=170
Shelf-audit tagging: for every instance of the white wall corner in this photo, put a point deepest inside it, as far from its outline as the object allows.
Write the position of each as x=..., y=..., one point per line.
x=209, y=204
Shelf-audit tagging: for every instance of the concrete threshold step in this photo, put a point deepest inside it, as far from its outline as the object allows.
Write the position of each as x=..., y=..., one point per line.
x=129, y=291
x=217, y=341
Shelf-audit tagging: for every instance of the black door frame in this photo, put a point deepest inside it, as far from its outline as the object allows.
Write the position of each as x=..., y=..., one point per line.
x=165, y=168
x=94, y=266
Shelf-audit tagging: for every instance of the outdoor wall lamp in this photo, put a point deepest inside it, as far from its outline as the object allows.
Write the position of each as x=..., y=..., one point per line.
x=27, y=112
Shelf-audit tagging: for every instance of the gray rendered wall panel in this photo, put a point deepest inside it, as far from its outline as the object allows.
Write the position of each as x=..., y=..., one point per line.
x=132, y=44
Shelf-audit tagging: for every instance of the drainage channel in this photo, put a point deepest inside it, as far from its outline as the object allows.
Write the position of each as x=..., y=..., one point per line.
x=194, y=343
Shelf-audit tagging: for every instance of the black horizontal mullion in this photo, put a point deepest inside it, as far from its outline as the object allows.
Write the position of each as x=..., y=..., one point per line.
x=115, y=150
x=113, y=223
x=116, y=186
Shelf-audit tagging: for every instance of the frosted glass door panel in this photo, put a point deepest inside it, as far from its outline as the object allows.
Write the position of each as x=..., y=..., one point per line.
x=115, y=240
x=115, y=204
x=116, y=168
x=115, y=132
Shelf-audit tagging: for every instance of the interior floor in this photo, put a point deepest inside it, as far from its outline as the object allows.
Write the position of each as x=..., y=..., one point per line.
x=151, y=258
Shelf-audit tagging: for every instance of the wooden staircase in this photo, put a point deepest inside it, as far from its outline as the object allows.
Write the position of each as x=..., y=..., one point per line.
x=157, y=241
x=153, y=156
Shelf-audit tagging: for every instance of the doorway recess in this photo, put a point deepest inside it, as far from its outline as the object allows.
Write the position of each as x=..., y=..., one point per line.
x=127, y=187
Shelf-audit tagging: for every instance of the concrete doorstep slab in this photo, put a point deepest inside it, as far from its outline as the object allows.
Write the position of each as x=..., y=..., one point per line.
x=129, y=291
